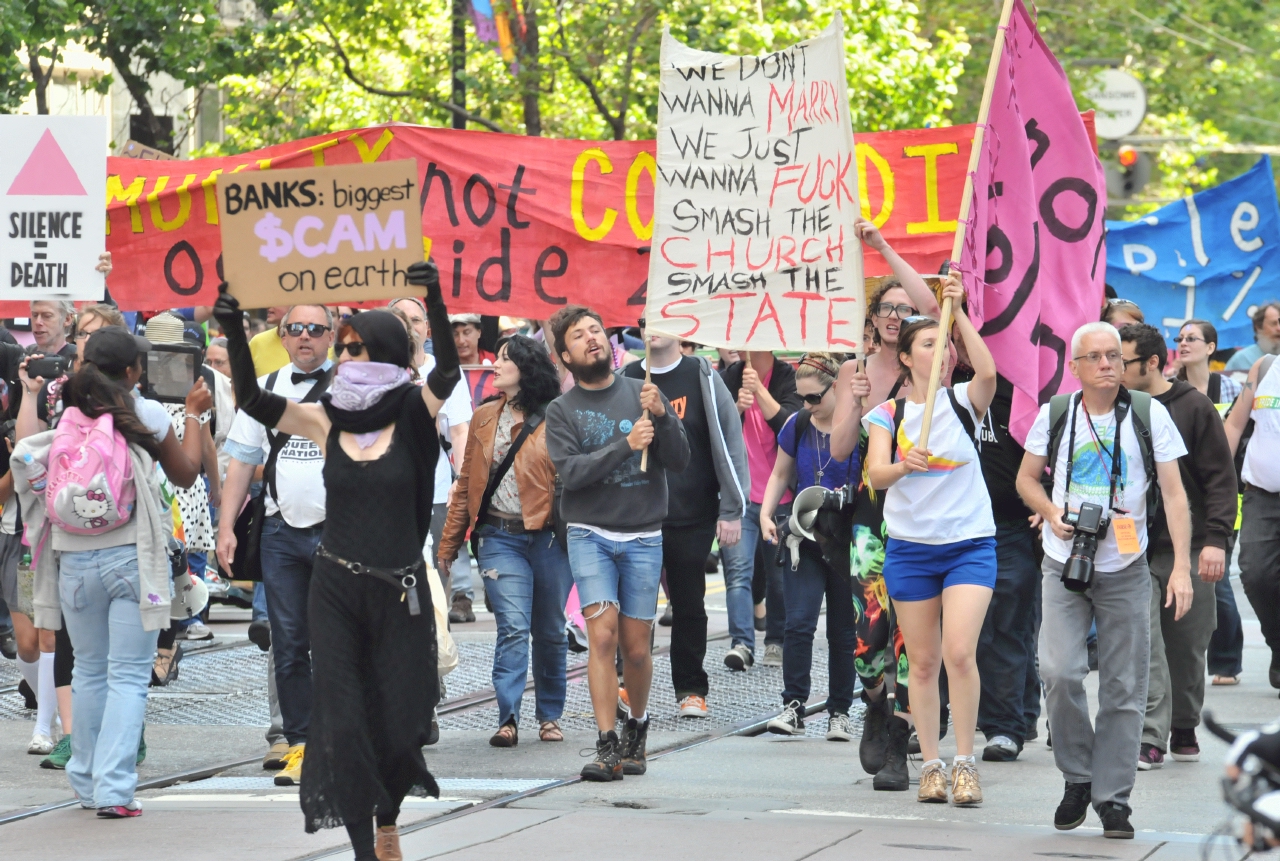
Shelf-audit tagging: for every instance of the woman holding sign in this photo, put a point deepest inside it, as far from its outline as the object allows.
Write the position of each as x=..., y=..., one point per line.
x=372, y=626
x=940, y=555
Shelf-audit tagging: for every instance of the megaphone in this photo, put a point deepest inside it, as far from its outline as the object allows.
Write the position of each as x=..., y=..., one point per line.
x=190, y=598
x=804, y=511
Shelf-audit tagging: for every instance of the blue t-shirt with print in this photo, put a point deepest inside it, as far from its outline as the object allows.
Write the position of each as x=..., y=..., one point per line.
x=813, y=454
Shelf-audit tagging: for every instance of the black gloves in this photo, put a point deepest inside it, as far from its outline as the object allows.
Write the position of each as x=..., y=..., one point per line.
x=426, y=274
x=265, y=407
x=445, y=375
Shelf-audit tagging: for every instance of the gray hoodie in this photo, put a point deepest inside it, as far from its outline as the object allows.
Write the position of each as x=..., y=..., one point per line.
x=152, y=521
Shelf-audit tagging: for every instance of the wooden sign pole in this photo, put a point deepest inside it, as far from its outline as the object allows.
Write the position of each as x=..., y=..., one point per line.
x=648, y=377
x=966, y=202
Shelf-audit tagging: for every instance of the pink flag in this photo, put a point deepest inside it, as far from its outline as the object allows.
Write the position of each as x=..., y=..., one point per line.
x=1033, y=261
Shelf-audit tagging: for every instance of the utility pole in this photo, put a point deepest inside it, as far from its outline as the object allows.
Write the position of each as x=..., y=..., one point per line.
x=458, y=60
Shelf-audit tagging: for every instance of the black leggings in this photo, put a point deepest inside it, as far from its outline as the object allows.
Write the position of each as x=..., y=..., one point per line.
x=361, y=835
x=684, y=554
x=64, y=658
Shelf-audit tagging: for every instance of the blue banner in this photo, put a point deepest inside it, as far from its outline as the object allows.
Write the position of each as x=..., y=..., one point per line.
x=1213, y=256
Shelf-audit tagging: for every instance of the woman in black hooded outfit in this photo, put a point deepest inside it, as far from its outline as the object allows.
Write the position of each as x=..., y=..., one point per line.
x=373, y=644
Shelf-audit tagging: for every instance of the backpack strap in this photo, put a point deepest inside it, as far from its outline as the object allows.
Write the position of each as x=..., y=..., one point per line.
x=531, y=423
x=1058, y=407
x=1141, y=411
x=1265, y=368
x=899, y=413
x=966, y=419
x=1214, y=389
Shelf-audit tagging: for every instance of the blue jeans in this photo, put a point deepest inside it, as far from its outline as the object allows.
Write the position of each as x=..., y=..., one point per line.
x=1226, y=647
x=99, y=591
x=624, y=574
x=527, y=580
x=1010, y=700
x=805, y=588
x=259, y=611
x=739, y=568
x=286, y=574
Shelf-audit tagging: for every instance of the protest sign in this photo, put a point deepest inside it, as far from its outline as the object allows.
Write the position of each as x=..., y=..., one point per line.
x=518, y=225
x=332, y=235
x=757, y=192
x=1213, y=256
x=51, y=221
x=1032, y=258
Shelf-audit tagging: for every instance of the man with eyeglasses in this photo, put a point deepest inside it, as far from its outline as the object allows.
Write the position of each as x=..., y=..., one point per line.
x=1100, y=459
x=1175, y=693
x=293, y=480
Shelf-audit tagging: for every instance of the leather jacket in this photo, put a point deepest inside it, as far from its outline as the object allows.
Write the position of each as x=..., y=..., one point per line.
x=535, y=478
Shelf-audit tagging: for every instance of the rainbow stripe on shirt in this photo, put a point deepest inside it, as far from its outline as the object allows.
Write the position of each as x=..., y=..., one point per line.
x=938, y=466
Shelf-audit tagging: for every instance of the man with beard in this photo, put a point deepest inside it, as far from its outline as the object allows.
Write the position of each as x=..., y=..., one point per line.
x=1266, y=332
x=596, y=433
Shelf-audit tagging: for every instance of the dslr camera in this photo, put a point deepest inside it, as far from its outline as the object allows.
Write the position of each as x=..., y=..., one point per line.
x=1090, y=524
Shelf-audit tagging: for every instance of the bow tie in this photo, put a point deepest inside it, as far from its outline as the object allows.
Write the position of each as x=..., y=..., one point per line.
x=316, y=375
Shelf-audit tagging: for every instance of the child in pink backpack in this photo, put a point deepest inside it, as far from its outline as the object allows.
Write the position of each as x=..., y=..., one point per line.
x=99, y=539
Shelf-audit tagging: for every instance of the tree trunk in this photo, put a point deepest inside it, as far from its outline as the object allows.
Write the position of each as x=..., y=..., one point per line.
x=531, y=71
x=40, y=78
x=140, y=91
x=458, y=60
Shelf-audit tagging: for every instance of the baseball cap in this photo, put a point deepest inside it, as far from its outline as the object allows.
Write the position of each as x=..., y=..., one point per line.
x=113, y=349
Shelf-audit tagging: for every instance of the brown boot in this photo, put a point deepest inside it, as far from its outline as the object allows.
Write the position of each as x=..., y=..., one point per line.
x=461, y=610
x=387, y=844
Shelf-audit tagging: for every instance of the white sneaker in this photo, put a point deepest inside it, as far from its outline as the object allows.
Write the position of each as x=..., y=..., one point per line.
x=839, y=728
x=41, y=745
x=772, y=655
x=196, y=631
x=790, y=722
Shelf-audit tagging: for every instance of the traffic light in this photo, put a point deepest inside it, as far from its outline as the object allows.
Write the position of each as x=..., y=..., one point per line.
x=1127, y=178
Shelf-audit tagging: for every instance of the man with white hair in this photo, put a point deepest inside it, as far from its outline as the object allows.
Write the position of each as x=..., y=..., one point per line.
x=1108, y=449
x=51, y=323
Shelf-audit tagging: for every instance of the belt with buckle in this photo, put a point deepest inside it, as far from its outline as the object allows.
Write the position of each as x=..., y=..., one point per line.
x=405, y=579
x=509, y=525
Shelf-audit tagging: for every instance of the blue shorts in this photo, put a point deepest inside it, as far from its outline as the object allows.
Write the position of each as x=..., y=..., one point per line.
x=919, y=572
x=624, y=574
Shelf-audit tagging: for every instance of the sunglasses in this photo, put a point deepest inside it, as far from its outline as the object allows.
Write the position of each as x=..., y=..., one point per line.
x=815, y=400
x=355, y=348
x=1188, y=339
x=1122, y=302
x=315, y=330
x=884, y=309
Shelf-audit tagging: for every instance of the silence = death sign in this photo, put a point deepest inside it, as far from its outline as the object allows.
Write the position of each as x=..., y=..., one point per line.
x=52, y=224
x=755, y=200
x=321, y=234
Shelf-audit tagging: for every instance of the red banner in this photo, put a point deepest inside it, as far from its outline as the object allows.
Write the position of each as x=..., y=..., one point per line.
x=518, y=225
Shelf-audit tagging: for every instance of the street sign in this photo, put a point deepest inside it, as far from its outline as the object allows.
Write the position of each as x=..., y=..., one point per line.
x=1121, y=103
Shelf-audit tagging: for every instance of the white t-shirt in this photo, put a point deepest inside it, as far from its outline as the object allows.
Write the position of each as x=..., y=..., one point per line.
x=456, y=411
x=1091, y=474
x=300, y=466
x=1262, y=457
x=949, y=503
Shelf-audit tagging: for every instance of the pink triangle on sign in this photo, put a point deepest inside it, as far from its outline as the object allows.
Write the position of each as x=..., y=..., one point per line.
x=47, y=171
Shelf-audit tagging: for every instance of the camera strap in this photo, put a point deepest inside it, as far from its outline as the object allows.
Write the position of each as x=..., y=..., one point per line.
x=1121, y=412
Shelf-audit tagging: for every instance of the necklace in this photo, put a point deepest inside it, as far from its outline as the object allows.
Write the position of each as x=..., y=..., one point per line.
x=817, y=451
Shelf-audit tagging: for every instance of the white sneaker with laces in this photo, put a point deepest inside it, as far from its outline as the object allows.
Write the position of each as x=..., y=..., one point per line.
x=839, y=728
x=196, y=631
x=772, y=655
x=790, y=722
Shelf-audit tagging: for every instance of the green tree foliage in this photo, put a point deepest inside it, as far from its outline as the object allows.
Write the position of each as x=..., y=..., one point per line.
x=588, y=69
x=1211, y=69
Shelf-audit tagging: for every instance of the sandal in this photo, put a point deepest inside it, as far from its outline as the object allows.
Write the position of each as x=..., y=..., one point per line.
x=1226, y=680
x=549, y=730
x=506, y=736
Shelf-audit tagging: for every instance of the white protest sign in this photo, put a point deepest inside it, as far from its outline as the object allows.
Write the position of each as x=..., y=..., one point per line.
x=53, y=184
x=757, y=192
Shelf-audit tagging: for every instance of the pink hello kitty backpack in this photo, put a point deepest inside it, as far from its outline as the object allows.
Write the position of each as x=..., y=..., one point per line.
x=90, y=486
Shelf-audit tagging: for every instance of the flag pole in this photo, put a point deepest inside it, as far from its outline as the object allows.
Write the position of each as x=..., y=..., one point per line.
x=966, y=202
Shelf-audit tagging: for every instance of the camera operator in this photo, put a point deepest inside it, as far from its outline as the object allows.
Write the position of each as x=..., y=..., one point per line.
x=1101, y=482
x=1175, y=692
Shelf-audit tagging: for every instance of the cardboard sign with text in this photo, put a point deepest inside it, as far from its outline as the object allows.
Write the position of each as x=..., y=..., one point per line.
x=331, y=235
x=757, y=192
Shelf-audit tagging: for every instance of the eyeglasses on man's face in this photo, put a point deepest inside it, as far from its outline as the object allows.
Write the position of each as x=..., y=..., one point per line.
x=884, y=309
x=1113, y=357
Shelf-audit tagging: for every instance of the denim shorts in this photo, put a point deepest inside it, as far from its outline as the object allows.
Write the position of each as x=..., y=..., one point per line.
x=625, y=574
x=919, y=572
